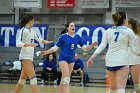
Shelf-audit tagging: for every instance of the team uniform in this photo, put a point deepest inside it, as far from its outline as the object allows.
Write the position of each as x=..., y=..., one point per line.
x=118, y=38
x=134, y=59
x=68, y=46
x=26, y=37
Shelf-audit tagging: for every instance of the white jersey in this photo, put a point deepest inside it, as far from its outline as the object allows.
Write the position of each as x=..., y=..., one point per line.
x=134, y=59
x=26, y=37
x=118, y=38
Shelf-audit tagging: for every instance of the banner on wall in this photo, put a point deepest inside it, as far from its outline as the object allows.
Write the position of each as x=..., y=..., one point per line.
x=8, y=34
x=127, y=3
x=94, y=4
x=91, y=34
x=27, y=3
x=61, y=3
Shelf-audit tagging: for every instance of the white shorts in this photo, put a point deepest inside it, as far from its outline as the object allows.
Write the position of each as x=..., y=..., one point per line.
x=26, y=53
x=26, y=57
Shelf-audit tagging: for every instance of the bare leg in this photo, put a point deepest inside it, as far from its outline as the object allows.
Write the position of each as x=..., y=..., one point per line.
x=135, y=72
x=65, y=73
x=122, y=76
x=28, y=66
x=112, y=81
x=71, y=68
x=19, y=86
x=66, y=70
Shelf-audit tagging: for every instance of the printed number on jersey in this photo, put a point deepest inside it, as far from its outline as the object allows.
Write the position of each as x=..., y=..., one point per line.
x=32, y=41
x=116, y=36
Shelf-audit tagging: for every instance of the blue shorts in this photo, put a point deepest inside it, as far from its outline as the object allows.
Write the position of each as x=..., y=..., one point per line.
x=75, y=68
x=114, y=68
x=69, y=60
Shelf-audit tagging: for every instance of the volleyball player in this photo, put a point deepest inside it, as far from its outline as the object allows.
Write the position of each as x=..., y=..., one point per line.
x=25, y=40
x=68, y=43
x=134, y=60
x=119, y=37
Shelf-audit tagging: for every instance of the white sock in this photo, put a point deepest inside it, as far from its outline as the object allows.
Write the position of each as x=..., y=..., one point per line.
x=122, y=90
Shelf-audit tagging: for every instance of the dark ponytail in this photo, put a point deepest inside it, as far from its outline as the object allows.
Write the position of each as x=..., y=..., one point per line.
x=25, y=20
x=64, y=31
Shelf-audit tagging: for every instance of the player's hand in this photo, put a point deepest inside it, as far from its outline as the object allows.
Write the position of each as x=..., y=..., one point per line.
x=89, y=63
x=42, y=53
x=47, y=42
x=34, y=45
x=95, y=44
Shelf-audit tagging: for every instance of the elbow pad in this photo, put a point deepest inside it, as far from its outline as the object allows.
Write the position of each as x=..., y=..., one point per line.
x=55, y=48
x=84, y=47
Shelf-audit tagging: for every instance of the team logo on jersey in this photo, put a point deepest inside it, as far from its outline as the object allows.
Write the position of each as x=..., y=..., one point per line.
x=72, y=46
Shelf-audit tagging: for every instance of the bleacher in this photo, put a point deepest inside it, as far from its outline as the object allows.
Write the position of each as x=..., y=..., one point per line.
x=96, y=74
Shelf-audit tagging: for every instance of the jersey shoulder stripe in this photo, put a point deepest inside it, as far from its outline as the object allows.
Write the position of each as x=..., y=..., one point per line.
x=22, y=33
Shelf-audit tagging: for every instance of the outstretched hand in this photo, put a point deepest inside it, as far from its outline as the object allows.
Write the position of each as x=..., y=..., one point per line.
x=95, y=44
x=42, y=53
x=89, y=63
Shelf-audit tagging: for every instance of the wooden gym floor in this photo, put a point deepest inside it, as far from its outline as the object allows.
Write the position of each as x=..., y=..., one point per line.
x=96, y=88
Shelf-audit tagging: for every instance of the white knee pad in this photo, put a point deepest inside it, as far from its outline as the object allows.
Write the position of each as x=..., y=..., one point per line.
x=112, y=91
x=21, y=81
x=65, y=80
x=137, y=86
x=122, y=90
x=33, y=81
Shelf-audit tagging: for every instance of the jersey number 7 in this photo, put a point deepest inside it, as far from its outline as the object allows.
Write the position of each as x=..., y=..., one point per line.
x=32, y=41
x=117, y=35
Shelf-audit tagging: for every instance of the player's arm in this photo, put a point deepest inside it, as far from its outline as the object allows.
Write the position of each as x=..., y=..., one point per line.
x=51, y=50
x=55, y=48
x=86, y=48
x=99, y=49
x=134, y=43
x=39, y=39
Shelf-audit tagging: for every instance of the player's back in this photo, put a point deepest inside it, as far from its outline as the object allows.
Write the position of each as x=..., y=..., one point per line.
x=117, y=38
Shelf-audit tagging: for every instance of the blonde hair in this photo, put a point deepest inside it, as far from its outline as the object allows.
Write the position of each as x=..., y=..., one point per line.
x=135, y=26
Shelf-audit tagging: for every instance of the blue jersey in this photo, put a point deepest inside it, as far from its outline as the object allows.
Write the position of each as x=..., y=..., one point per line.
x=78, y=64
x=68, y=45
x=52, y=65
